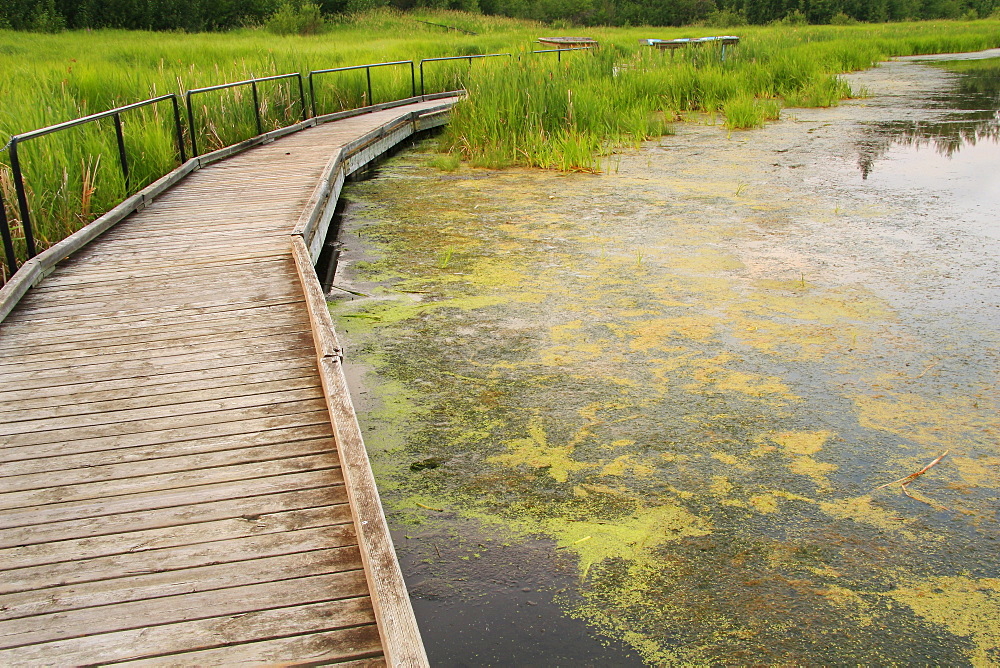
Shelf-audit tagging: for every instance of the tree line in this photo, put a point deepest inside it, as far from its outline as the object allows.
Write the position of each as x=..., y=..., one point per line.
x=211, y=15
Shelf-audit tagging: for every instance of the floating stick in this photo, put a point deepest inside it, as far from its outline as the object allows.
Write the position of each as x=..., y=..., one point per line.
x=903, y=482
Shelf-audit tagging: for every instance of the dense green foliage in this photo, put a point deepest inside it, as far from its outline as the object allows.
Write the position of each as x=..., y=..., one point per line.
x=198, y=15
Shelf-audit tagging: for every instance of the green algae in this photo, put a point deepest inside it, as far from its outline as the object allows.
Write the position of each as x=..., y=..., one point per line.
x=640, y=415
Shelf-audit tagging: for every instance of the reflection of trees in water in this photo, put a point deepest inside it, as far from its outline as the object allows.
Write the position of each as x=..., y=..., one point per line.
x=975, y=101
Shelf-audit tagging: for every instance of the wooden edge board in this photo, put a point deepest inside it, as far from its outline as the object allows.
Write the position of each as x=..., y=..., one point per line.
x=397, y=624
x=327, y=191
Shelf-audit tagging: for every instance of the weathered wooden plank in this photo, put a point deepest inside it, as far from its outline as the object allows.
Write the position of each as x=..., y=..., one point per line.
x=138, y=420
x=49, y=460
x=127, y=340
x=85, y=392
x=235, y=424
x=164, y=362
x=81, y=560
x=127, y=345
x=295, y=492
x=176, y=642
x=92, y=310
x=95, y=481
x=145, y=581
x=254, y=382
x=321, y=648
x=249, y=268
x=238, y=483
x=21, y=333
x=166, y=292
x=55, y=501
x=179, y=608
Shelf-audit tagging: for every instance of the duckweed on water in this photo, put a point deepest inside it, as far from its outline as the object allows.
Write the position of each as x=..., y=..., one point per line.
x=703, y=433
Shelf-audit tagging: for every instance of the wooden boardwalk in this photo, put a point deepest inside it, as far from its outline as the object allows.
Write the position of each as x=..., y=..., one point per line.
x=173, y=489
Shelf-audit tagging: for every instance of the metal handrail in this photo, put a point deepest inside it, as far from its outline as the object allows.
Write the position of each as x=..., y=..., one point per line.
x=8, y=242
x=368, y=75
x=469, y=58
x=256, y=101
x=15, y=164
x=559, y=52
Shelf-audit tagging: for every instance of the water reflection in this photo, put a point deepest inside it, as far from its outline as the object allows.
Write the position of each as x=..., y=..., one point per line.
x=972, y=117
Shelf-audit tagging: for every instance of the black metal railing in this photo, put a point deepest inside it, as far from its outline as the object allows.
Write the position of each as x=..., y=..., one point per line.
x=8, y=241
x=469, y=58
x=18, y=177
x=559, y=52
x=368, y=76
x=256, y=102
x=15, y=163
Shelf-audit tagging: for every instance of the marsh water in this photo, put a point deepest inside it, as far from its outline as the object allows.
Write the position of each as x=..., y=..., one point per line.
x=663, y=415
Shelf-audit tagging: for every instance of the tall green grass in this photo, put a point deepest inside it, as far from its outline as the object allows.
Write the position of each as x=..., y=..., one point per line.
x=569, y=115
x=528, y=109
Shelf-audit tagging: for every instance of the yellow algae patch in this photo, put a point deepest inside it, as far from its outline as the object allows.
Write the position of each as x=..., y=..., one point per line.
x=768, y=502
x=967, y=607
x=712, y=373
x=656, y=332
x=861, y=509
x=764, y=503
x=627, y=538
x=801, y=445
x=535, y=452
x=494, y=273
x=726, y=458
x=930, y=421
x=721, y=485
x=566, y=333
x=626, y=464
x=707, y=260
x=803, y=342
x=581, y=352
x=798, y=300
x=978, y=472
x=802, y=442
x=850, y=602
x=814, y=469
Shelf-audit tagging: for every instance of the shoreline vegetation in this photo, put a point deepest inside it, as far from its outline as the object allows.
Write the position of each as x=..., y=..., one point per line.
x=529, y=110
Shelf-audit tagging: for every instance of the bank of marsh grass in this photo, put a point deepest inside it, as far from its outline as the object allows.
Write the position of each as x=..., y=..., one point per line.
x=526, y=109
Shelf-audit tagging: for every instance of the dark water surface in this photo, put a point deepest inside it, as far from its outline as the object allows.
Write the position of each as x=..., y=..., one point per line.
x=655, y=416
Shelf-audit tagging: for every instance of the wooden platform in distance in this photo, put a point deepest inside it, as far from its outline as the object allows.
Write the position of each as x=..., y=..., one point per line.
x=171, y=490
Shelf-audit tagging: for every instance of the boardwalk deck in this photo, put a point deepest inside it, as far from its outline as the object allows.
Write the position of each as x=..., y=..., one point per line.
x=181, y=477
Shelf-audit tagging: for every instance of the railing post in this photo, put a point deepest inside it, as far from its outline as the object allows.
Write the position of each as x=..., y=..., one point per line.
x=368, y=76
x=422, y=79
x=22, y=199
x=256, y=106
x=191, y=127
x=8, y=242
x=413, y=81
x=178, y=128
x=123, y=159
x=312, y=94
x=302, y=97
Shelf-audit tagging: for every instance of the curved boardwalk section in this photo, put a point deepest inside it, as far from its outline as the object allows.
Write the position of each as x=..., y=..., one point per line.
x=171, y=489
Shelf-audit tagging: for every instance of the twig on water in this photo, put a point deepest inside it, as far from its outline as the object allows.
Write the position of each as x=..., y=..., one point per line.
x=438, y=510
x=904, y=482
x=924, y=372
